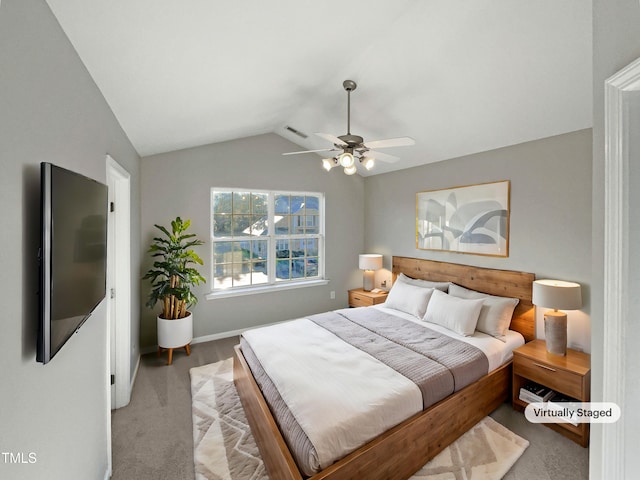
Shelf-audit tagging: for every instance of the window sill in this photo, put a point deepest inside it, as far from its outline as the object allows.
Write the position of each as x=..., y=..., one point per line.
x=237, y=292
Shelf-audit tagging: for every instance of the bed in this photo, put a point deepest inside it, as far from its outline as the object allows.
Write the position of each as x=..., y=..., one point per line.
x=401, y=450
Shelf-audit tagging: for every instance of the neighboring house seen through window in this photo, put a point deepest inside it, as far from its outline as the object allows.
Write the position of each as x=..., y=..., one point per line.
x=265, y=239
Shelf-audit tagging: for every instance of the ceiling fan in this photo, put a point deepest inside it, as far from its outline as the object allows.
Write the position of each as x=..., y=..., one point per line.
x=350, y=147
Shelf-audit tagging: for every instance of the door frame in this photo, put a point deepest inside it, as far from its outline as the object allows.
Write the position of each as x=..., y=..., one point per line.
x=620, y=90
x=119, y=281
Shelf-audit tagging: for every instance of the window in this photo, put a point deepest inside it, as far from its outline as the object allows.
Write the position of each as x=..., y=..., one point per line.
x=265, y=239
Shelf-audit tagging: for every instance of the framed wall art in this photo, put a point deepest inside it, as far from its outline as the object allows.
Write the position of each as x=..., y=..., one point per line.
x=470, y=219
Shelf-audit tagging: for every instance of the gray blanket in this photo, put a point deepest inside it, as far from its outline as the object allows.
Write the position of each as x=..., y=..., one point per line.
x=438, y=364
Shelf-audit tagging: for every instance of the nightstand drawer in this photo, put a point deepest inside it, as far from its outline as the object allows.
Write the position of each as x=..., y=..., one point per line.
x=555, y=378
x=357, y=299
x=361, y=298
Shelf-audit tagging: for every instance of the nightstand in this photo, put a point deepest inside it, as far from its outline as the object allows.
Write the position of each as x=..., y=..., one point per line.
x=569, y=375
x=359, y=298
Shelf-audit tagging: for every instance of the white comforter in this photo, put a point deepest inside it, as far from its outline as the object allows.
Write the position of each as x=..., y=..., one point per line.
x=335, y=421
x=313, y=370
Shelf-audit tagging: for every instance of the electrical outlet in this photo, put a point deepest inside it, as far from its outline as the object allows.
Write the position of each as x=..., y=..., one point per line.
x=332, y=295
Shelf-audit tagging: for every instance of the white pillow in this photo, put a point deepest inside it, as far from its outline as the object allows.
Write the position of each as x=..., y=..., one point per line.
x=408, y=298
x=454, y=313
x=496, y=313
x=444, y=286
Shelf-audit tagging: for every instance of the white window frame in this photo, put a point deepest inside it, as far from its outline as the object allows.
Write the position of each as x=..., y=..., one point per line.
x=273, y=284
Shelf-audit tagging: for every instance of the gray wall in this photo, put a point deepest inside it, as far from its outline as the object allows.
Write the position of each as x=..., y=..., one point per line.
x=616, y=43
x=550, y=221
x=50, y=110
x=254, y=162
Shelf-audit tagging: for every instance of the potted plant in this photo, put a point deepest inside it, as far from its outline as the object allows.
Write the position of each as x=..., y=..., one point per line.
x=172, y=278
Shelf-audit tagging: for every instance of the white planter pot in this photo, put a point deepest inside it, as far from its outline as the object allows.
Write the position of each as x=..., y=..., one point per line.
x=175, y=333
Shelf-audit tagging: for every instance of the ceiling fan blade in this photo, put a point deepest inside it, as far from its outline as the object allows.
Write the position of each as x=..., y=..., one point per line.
x=332, y=138
x=311, y=151
x=391, y=142
x=383, y=157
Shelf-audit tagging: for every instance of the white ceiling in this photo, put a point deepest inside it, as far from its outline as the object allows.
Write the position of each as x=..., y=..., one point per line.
x=458, y=76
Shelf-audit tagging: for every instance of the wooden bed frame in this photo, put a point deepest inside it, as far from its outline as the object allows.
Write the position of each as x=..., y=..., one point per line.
x=404, y=449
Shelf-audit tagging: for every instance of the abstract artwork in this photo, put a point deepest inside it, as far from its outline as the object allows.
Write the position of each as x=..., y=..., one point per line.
x=471, y=219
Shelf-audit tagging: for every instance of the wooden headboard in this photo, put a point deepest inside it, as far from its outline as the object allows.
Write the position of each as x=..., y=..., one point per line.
x=505, y=283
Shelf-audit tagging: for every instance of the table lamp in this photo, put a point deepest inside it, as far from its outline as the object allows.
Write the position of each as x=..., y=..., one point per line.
x=557, y=295
x=369, y=262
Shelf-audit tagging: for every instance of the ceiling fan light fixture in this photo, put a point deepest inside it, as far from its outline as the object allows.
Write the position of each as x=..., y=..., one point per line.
x=350, y=170
x=353, y=147
x=367, y=162
x=329, y=163
x=346, y=160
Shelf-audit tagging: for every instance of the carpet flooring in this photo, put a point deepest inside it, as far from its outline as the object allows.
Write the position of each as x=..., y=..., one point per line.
x=152, y=437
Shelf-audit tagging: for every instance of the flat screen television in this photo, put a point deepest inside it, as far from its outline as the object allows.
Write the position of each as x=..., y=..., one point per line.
x=72, y=255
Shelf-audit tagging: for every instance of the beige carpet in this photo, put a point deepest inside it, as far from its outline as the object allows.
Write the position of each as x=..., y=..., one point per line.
x=224, y=448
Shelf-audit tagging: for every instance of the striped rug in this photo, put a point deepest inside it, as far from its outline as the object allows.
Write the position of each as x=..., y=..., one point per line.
x=224, y=448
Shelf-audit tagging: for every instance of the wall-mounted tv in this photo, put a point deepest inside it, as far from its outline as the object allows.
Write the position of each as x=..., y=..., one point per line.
x=73, y=255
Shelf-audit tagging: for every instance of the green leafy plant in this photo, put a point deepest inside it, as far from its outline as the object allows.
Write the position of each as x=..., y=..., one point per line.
x=172, y=277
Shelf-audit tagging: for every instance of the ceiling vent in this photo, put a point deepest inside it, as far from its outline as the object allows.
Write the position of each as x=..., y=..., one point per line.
x=297, y=132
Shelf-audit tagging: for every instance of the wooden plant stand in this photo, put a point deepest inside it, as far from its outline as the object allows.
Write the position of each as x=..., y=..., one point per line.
x=187, y=348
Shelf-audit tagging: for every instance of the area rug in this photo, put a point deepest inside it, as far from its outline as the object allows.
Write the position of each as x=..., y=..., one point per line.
x=224, y=448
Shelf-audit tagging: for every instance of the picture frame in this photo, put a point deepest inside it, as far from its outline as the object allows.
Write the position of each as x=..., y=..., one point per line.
x=472, y=219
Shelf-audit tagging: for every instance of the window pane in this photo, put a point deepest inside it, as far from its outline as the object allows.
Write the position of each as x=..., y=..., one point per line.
x=259, y=225
x=219, y=270
x=221, y=225
x=222, y=282
x=245, y=248
x=282, y=225
x=312, y=223
x=282, y=204
x=241, y=274
x=241, y=202
x=259, y=203
x=241, y=225
x=312, y=267
x=297, y=204
x=282, y=270
x=222, y=202
x=282, y=249
x=312, y=247
x=312, y=204
x=297, y=224
x=220, y=249
x=259, y=249
x=259, y=273
x=297, y=268
x=297, y=248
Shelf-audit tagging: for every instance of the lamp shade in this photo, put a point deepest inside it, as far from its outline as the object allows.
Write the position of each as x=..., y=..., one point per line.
x=557, y=294
x=370, y=261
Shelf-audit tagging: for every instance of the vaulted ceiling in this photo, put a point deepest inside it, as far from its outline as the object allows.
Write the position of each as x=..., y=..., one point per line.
x=458, y=76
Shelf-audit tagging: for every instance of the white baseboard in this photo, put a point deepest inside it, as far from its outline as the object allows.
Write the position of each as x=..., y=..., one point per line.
x=207, y=338
x=218, y=336
x=134, y=376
